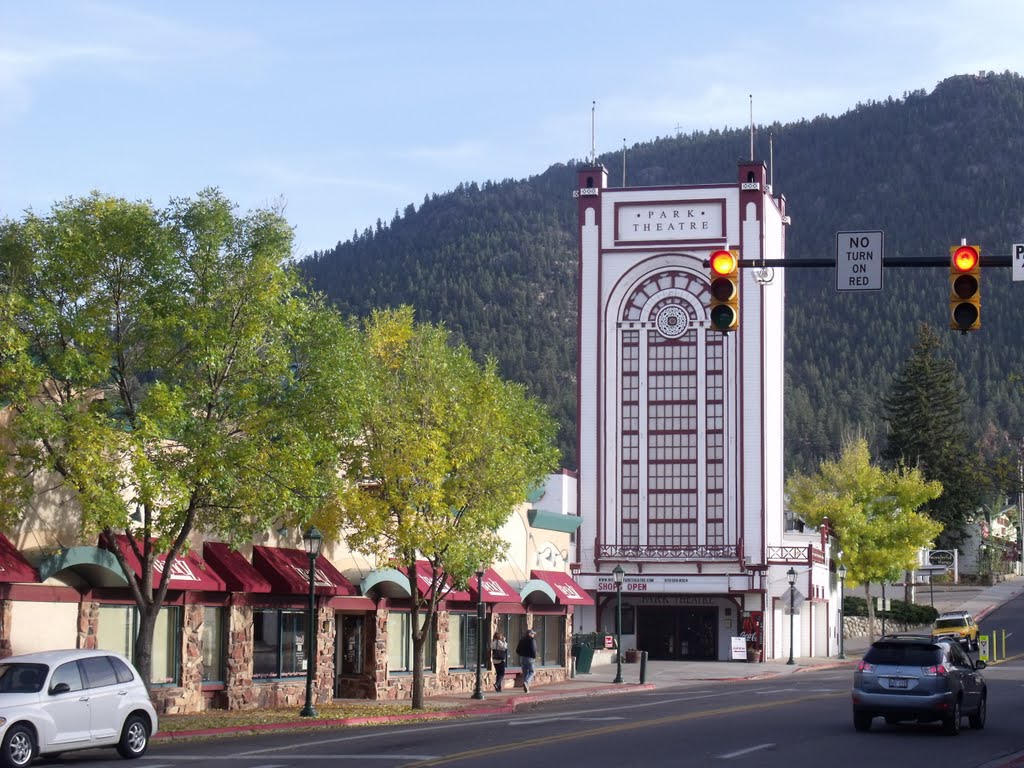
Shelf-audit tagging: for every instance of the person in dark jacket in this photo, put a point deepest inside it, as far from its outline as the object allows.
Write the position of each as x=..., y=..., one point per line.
x=527, y=651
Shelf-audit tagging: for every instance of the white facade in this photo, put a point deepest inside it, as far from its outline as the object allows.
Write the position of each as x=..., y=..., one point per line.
x=681, y=425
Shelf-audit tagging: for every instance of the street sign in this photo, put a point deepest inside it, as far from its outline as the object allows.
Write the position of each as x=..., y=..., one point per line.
x=792, y=597
x=1018, y=262
x=859, y=261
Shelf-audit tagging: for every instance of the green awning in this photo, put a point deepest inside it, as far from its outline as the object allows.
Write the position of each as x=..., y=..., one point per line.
x=96, y=566
x=552, y=521
x=386, y=582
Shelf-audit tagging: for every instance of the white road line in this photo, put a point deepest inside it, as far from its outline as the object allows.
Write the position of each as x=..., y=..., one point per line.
x=562, y=719
x=746, y=751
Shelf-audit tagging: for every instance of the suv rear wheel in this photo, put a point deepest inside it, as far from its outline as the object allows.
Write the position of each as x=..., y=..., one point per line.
x=951, y=725
x=977, y=720
x=862, y=721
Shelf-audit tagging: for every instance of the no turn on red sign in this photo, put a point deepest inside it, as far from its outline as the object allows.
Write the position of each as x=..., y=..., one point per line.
x=859, y=261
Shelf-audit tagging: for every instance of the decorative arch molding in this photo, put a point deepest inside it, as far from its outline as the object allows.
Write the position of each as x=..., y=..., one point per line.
x=665, y=413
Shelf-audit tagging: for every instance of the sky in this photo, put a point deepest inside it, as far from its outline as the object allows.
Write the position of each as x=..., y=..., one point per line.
x=341, y=113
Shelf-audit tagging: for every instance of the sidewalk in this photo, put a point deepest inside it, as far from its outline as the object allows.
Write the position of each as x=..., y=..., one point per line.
x=980, y=601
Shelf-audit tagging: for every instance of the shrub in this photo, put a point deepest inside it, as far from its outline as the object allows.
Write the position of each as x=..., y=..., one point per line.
x=908, y=613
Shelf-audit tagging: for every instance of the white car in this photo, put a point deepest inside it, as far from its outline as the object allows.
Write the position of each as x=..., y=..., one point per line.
x=59, y=701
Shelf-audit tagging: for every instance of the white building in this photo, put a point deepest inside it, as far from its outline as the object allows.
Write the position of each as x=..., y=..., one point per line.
x=681, y=427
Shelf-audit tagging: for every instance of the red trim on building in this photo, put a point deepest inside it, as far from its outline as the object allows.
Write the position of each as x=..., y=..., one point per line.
x=567, y=591
x=351, y=604
x=287, y=570
x=189, y=571
x=13, y=565
x=238, y=574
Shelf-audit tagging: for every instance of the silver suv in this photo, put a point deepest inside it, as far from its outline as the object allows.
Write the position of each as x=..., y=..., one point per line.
x=918, y=678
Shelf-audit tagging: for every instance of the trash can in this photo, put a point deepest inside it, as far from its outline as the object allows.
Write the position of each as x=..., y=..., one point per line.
x=584, y=658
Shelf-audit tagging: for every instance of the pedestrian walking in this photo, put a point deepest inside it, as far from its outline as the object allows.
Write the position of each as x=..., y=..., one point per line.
x=527, y=651
x=499, y=657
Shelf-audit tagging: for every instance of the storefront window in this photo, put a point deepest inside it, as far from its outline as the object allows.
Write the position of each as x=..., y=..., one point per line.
x=279, y=643
x=400, y=644
x=550, y=640
x=462, y=641
x=119, y=628
x=212, y=644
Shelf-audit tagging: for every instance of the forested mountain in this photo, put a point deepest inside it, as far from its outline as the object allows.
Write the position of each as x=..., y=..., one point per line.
x=497, y=261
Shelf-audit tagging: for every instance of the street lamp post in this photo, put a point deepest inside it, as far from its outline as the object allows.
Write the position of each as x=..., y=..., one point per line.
x=618, y=574
x=791, y=575
x=478, y=692
x=312, y=539
x=842, y=610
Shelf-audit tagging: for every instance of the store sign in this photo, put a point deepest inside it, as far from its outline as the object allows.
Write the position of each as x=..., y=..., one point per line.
x=633, y=585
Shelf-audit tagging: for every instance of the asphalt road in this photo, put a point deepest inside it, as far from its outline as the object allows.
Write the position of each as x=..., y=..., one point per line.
x=795, y=720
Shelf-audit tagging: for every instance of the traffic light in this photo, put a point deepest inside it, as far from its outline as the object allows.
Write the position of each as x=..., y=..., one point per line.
x=965, y=288
x=725, y=290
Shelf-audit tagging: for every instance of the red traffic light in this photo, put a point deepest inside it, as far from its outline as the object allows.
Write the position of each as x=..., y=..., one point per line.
x=965, y=258
x=724, y=262
x=724, y=311
x=965, y=288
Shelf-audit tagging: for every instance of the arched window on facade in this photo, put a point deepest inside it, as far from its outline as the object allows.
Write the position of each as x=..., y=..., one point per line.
x=671, y=426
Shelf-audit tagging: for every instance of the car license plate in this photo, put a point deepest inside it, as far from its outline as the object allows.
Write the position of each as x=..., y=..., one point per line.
x=897, y=682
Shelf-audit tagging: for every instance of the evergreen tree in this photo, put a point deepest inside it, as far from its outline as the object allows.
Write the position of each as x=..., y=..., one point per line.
x=925, y=413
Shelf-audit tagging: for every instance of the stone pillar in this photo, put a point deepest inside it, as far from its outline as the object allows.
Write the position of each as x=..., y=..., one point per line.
x=324, y=683
x=88, y=623
x=380, y=654
x=238, y=682
x=6, y=646
x=192, y=659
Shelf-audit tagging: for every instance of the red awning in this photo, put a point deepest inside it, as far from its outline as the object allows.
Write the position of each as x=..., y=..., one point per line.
x=13, y=565
x=237, y=573
x=495, y=589
x=287, y=570
x=189, y=571
x=425, y=576
x=567, y=591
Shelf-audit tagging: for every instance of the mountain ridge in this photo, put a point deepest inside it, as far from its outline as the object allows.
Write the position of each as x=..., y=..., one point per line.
x=496, y=261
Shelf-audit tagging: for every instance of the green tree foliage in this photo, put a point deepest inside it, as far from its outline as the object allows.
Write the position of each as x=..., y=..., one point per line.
x=873, y=512
x=447, y=449
x=165, y=364
x=925, y=411
x=497, y=261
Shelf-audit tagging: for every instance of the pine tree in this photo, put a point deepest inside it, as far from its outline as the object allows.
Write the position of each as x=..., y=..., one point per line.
x=925, y=413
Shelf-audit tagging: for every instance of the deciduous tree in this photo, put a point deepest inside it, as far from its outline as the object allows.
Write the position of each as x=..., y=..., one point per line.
x=873, y=512
x=447, y=450
x=167, y=365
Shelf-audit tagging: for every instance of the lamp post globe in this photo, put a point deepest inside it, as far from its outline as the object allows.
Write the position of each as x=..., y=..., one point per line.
x=478, y=692
x=842, y=610
x=791, y=577
x=313, y=541
x=618, y=574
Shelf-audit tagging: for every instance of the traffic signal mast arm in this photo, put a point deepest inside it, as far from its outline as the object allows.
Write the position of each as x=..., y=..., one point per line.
x=887, y=261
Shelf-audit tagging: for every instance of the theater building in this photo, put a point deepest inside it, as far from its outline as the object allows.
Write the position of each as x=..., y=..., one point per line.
x=681, y=427
x=232, y=633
